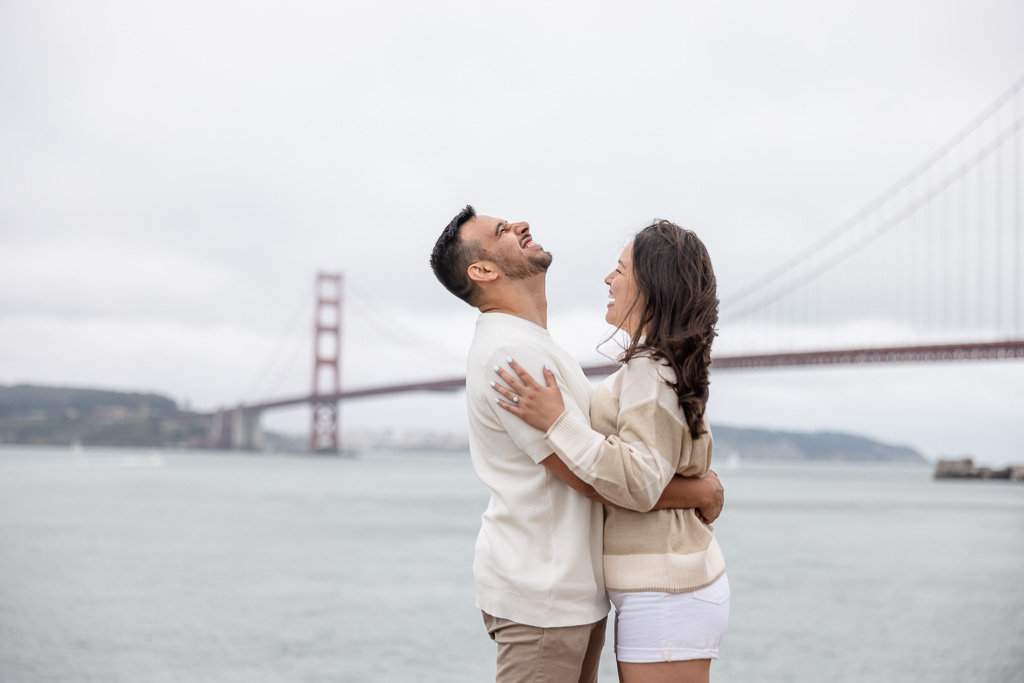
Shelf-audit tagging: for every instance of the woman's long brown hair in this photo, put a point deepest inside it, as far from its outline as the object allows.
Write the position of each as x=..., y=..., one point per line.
x=678, y=293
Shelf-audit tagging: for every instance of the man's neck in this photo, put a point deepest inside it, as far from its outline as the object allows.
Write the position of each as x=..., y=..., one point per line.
x=526, y=299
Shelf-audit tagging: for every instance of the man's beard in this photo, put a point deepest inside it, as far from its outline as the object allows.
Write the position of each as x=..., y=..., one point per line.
x=519, y=270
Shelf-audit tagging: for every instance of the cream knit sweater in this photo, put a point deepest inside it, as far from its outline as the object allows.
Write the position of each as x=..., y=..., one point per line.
x=639, y=440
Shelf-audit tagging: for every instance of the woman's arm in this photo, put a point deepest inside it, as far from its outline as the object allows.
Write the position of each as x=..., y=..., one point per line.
x=630, y=469
x=704, y=494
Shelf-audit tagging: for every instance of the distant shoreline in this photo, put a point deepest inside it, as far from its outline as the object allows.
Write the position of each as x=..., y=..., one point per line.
x=90, y=418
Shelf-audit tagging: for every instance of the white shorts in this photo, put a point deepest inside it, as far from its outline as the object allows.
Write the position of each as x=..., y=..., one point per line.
x=671, y=627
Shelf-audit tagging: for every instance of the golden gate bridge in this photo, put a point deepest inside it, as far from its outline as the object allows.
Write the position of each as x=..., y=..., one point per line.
x=928, y=271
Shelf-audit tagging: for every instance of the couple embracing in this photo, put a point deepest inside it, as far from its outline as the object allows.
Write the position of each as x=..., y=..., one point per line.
x=596, y=493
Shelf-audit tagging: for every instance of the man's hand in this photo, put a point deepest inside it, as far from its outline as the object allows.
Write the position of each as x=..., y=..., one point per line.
x=710, y=511
x=704, y=494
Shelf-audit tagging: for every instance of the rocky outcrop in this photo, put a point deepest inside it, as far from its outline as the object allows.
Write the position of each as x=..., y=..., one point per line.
x=963, y=468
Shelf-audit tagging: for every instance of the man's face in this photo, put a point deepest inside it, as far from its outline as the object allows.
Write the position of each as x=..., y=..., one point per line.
x=509, y=246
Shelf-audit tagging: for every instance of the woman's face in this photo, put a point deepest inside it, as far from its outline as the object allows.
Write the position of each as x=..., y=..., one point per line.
x=624, y=306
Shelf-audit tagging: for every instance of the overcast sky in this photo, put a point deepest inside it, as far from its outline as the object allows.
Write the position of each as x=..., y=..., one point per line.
x=173, y=175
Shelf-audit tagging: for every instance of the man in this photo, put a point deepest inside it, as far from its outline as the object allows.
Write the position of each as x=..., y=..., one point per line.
x=537, y=566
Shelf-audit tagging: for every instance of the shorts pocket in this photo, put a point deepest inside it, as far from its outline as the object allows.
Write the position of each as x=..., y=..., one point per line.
x=716, y=593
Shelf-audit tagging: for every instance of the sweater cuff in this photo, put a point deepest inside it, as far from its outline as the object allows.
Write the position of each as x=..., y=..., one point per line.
x=571, y=438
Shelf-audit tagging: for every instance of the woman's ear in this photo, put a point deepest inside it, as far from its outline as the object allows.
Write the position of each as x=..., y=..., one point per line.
x=482, y=271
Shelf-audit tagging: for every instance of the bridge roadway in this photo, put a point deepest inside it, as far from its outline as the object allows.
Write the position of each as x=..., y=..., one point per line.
x=902, y=354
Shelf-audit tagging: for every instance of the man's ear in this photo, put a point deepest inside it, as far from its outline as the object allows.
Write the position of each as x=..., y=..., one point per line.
x=482, y=271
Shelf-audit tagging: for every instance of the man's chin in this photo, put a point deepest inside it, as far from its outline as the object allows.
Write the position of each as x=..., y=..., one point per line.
x=543, y=259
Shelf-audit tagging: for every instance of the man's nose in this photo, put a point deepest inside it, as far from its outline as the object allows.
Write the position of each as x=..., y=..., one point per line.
x=521, y=227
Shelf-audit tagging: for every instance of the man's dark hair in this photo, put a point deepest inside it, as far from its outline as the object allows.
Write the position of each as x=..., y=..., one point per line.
x=452, y=257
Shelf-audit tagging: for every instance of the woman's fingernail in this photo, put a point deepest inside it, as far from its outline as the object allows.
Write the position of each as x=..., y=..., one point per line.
x=508, y=359
x=547, y=367
x=491, y=383
x=495, y=368
x=498, y=401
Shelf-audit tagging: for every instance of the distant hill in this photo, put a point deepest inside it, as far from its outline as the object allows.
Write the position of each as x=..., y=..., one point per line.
x=762, y=444
x=27, y=398
x=32, y=414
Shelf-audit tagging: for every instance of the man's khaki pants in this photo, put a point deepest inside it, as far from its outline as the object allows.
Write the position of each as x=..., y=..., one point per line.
x=529, y=654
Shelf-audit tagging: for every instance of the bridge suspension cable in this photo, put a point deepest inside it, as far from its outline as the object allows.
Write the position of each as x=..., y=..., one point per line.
x=899, y=217
x=398, y=332
x=289, y=336
x=936, y=258
x=921, y=169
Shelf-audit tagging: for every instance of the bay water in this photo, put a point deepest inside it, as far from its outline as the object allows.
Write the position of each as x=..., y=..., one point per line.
x=156, y=566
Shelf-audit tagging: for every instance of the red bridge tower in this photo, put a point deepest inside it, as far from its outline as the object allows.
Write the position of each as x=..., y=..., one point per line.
x=324, y=436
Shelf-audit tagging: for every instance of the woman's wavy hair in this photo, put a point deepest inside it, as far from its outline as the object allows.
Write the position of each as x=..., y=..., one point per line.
x=678, y=293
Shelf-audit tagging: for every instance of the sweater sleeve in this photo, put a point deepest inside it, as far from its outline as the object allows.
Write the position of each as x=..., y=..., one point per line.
x=632, y=467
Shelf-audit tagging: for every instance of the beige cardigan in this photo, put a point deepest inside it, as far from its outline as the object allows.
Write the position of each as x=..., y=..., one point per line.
x=639, y=440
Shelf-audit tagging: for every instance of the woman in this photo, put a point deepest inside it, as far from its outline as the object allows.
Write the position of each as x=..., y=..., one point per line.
x=663, y=569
